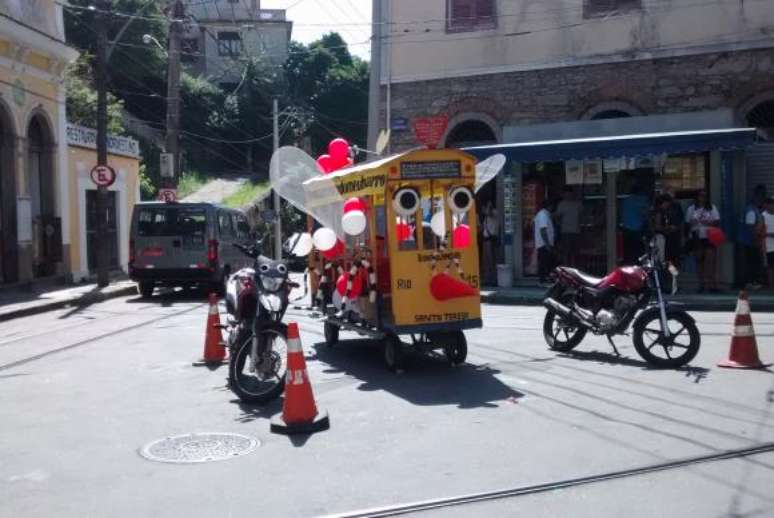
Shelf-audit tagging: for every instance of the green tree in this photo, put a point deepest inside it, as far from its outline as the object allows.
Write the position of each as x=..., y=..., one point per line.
x=333, y=85
x=82, y=99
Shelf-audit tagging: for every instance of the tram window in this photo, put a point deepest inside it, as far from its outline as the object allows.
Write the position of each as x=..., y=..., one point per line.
x=430, y=206
x=406, y=232
x=460, y=234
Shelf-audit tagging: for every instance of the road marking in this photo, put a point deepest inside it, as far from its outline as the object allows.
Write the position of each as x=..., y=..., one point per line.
x=452, y=501
x=94, y=339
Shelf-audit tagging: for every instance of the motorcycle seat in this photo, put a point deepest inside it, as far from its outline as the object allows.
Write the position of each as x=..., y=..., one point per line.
x=584, y=278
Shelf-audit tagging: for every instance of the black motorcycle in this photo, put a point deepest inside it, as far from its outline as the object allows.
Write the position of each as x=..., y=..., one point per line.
x=256, y=301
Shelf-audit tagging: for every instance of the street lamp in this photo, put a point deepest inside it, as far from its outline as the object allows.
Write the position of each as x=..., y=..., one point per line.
x=148, y=39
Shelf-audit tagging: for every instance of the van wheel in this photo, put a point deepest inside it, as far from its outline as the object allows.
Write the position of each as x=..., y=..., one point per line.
x=145, y=289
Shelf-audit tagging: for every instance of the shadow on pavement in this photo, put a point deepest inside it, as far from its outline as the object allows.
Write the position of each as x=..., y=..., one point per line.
x=427, y=380
x=169, y=297
x=698, y=373
x=254, y=412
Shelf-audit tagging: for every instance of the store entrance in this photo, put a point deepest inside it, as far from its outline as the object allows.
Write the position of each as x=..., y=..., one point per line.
x=575, y=194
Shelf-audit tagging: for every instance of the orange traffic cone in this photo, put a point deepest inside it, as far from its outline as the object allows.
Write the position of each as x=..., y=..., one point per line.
x=214, y=348
x=299, y=411
x=744, y=348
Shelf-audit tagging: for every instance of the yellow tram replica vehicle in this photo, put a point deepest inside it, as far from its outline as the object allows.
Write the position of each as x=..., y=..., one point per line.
x=413, y=269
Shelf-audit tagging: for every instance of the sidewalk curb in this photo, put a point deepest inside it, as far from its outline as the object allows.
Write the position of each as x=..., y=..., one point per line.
x=88, y=298
x=722, y=306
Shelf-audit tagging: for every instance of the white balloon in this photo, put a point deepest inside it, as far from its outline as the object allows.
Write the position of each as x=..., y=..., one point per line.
x=354, y=222
x=324, y=239
x=438, y=223
x=303, y=245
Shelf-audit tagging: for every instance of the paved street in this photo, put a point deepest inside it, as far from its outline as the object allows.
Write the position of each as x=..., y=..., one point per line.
x=83, y=389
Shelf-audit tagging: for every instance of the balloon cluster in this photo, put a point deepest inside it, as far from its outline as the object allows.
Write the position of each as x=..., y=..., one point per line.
x=336, y=158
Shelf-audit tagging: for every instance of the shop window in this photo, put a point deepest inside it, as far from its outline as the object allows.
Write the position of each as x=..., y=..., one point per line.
x=229, y=44
x=470, y=15
x=594, y=8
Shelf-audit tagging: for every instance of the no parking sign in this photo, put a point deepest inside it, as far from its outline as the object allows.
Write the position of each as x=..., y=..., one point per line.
x=103, y=175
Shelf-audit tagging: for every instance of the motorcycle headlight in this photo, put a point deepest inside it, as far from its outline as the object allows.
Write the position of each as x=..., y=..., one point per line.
x=272, y=283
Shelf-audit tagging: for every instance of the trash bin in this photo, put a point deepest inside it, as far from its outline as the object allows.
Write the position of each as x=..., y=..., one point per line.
x=504, y=276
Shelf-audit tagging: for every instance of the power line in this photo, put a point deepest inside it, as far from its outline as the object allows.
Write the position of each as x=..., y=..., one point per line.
x=667, y=3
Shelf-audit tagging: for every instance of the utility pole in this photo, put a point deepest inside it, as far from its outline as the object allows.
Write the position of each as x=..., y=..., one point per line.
x=101, y=242
x=374, y=88
x=173, y=91
x=277, y=201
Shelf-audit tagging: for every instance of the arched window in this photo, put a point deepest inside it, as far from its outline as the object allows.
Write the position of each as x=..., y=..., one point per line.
x=8, y=236
x=761, y=116
x=610, y=114
x=40, y=184
x=470, y=133
x=616, y=109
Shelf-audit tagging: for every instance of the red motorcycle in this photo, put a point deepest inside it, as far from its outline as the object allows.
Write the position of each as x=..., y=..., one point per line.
x=663, y=333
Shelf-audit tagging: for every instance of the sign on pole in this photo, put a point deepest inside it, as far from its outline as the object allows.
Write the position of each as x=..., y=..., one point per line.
x=167, y=195
x=103, y=175
x=167, y=165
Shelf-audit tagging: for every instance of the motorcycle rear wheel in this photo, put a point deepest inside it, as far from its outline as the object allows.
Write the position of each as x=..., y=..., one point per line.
x=560, y=335
x=685, y=340
x=247, y=386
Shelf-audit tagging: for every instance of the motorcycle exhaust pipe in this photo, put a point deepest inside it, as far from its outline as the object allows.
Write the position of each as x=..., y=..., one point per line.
x=563, y=311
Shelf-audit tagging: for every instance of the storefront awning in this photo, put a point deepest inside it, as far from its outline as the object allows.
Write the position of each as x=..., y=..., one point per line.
x=621, y=146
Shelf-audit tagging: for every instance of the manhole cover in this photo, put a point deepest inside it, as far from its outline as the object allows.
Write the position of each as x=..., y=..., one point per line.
x=199, y=447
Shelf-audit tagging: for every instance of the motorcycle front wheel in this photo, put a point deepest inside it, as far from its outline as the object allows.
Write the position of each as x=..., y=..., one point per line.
x=669, y=353
x=267, y=379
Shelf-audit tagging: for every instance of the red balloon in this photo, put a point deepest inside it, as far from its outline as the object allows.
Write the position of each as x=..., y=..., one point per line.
x=357, y=285
x=336, y=251
x=339, y=150
x=461, y=236
x=403, y=231
x=354, y=204
x=716, y=236
x=325, y=163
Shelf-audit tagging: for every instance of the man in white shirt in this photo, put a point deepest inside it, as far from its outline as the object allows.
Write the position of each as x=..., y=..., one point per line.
x=544, y=241
x=768, y=221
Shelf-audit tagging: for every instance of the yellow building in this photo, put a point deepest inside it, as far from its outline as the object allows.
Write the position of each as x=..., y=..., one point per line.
x=34, y=178
x=123, y=157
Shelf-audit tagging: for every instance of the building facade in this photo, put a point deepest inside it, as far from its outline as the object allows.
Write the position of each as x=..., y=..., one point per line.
x=224, y=33
x=34, y=193
x=527, y=71
x=122, y=195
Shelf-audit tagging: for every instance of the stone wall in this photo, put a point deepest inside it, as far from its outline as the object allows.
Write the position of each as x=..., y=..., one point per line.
x=663, y=86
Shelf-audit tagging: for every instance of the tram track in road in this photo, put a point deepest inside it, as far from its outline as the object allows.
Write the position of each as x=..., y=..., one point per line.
x=518, y=491
x=102, y=317
x=101, y=336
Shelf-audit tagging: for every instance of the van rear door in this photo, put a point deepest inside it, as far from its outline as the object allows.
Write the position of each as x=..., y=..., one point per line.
x=171, y=237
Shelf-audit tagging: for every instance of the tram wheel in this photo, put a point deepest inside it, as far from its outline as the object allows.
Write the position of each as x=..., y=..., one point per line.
x=394, y=354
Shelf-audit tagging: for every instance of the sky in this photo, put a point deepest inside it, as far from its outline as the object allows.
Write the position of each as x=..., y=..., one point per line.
x=313, y=18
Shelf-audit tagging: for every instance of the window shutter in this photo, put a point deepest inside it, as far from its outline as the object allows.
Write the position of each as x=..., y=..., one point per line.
x=462, y=12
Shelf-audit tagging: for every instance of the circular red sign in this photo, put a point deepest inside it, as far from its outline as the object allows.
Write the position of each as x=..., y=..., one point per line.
x=103, y=175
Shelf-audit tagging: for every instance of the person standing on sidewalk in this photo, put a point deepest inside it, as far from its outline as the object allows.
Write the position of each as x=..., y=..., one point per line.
x=768, y=222
x=750, y=236
x=490, y=231
x=700, y=217
x=544, y=241
x=634, y=216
